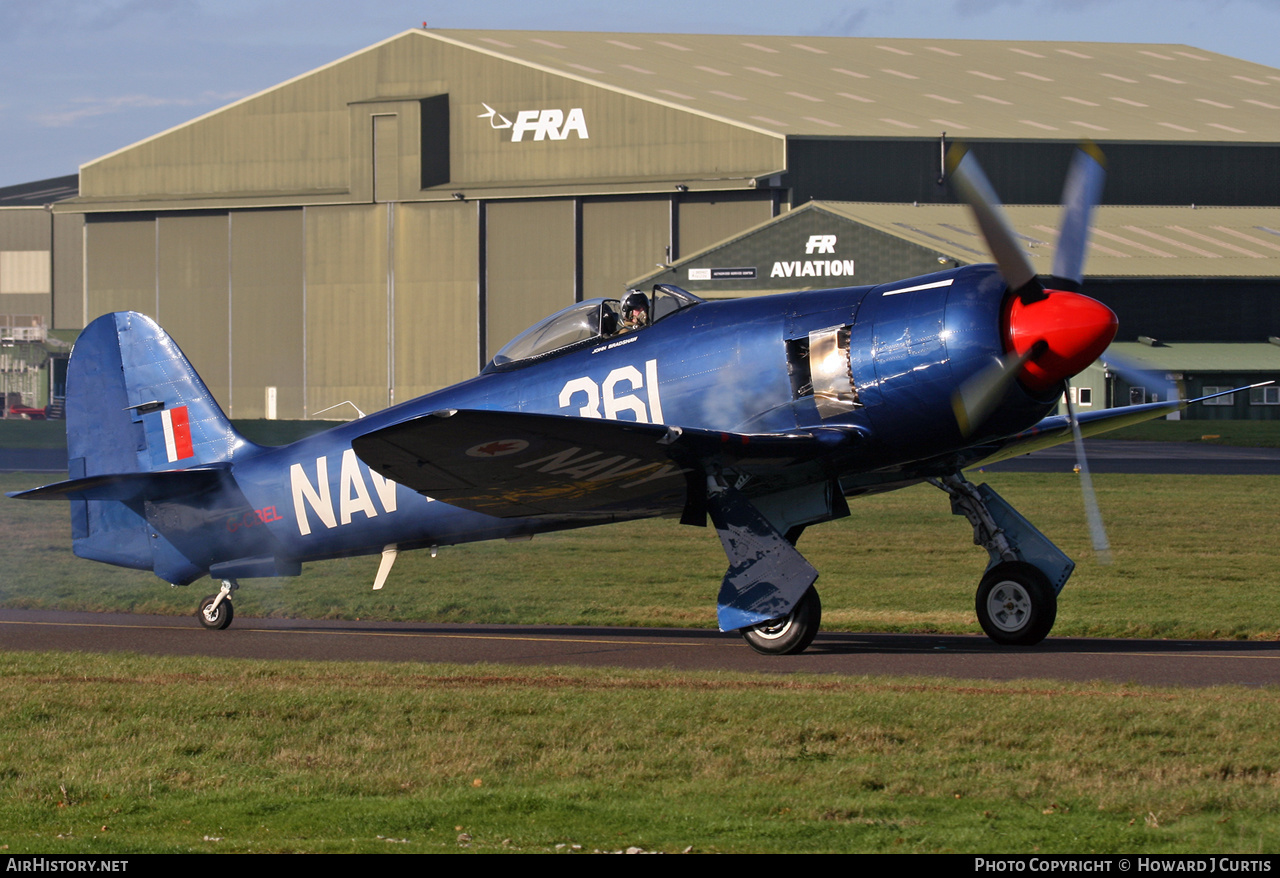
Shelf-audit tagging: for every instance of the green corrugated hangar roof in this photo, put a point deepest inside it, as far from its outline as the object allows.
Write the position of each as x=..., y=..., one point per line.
x=1199, y=357
x=867, y=87
x=1138, y=242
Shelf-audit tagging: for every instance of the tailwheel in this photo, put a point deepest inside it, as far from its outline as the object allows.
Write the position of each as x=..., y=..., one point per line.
x=215, y=611
x=1016, y=606
x=790, y=634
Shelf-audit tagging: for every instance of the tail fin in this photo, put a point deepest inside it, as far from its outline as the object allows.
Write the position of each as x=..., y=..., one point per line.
x=135, y=404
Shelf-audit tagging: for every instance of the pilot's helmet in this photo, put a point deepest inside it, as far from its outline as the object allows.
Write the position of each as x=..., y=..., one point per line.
x=635, y=300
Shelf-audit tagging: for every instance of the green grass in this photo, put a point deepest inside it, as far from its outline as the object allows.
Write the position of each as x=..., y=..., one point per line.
x=117, y=754
x=32, y=434
x=123, y=754
x=1249, y=434
x=1194, y=559
x=280, y=432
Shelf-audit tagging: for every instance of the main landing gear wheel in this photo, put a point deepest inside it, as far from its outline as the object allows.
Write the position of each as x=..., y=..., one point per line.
x=215, y=618
x=1016, y=605
x=792, y=633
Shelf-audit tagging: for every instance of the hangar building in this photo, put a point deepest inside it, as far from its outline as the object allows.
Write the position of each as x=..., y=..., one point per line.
x=378, y=227
x=39, y=251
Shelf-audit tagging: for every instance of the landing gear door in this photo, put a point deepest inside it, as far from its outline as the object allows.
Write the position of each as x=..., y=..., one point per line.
x=833, y=390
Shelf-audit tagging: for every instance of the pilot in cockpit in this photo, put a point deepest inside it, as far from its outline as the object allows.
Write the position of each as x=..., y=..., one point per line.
x=635, y=311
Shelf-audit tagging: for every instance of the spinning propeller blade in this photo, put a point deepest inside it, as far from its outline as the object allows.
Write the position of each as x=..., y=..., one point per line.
x=972, y=184
x=1097, y=533
x=1080, y=194
x=976, y=398
x=1052, y=334
x=1139, y=374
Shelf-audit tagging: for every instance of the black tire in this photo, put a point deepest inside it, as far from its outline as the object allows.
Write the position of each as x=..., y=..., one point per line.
x=1016, y=605
x=219, y=618
x=792, y=633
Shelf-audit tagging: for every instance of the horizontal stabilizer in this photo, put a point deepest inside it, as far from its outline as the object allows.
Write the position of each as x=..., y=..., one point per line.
x=130, y=486
x=511, y=464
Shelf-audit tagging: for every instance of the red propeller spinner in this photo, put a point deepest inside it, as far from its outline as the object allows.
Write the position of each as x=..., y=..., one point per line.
x=1075, y=330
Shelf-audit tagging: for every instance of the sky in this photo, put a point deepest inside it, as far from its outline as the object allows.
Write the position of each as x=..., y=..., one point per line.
x=83, y=78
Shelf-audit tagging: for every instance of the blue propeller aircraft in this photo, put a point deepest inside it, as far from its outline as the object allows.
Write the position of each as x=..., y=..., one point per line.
x=764, y=414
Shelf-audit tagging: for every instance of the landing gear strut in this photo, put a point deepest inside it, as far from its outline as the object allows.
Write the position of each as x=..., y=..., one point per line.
x=215, y=611
x=1017, y=600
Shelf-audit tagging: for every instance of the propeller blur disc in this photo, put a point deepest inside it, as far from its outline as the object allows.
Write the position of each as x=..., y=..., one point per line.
x=1097, y=532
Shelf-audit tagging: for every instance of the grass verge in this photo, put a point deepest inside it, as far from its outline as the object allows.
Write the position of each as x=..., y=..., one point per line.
x=1248, y=434
x=1193, y=560
x=116, y=754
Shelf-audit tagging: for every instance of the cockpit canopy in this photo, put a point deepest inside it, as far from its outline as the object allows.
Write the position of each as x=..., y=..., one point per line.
x=588, y=321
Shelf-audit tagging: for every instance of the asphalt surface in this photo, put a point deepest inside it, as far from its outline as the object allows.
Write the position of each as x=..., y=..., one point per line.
x=1160, y=458
x=1150, y=662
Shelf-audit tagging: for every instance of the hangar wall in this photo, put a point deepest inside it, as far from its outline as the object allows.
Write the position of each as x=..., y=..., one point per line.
x=373, y=303
x=25, y=282
x=250, y=149
x=437, y=309
x=530, y=254
x=41, y=262
x=357, y=234
x=267, y=325
x=618, y=235
x=118, y=276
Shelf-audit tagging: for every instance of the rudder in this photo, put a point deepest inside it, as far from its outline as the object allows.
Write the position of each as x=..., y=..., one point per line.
x=135, y=404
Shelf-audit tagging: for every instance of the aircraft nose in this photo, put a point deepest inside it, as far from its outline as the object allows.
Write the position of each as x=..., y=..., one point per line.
x=1075, y=330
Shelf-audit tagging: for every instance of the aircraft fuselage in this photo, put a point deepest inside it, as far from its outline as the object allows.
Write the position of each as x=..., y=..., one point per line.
x=720, y=365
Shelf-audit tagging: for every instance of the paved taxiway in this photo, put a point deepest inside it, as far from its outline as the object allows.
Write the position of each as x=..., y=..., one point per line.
x=1152, y=662
x=1160, y=458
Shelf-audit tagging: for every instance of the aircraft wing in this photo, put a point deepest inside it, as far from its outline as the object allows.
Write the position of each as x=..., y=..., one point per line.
x=1056, y=430
x=516, y=464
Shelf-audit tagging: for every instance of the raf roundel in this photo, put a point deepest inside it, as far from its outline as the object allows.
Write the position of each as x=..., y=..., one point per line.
x=497, y=448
